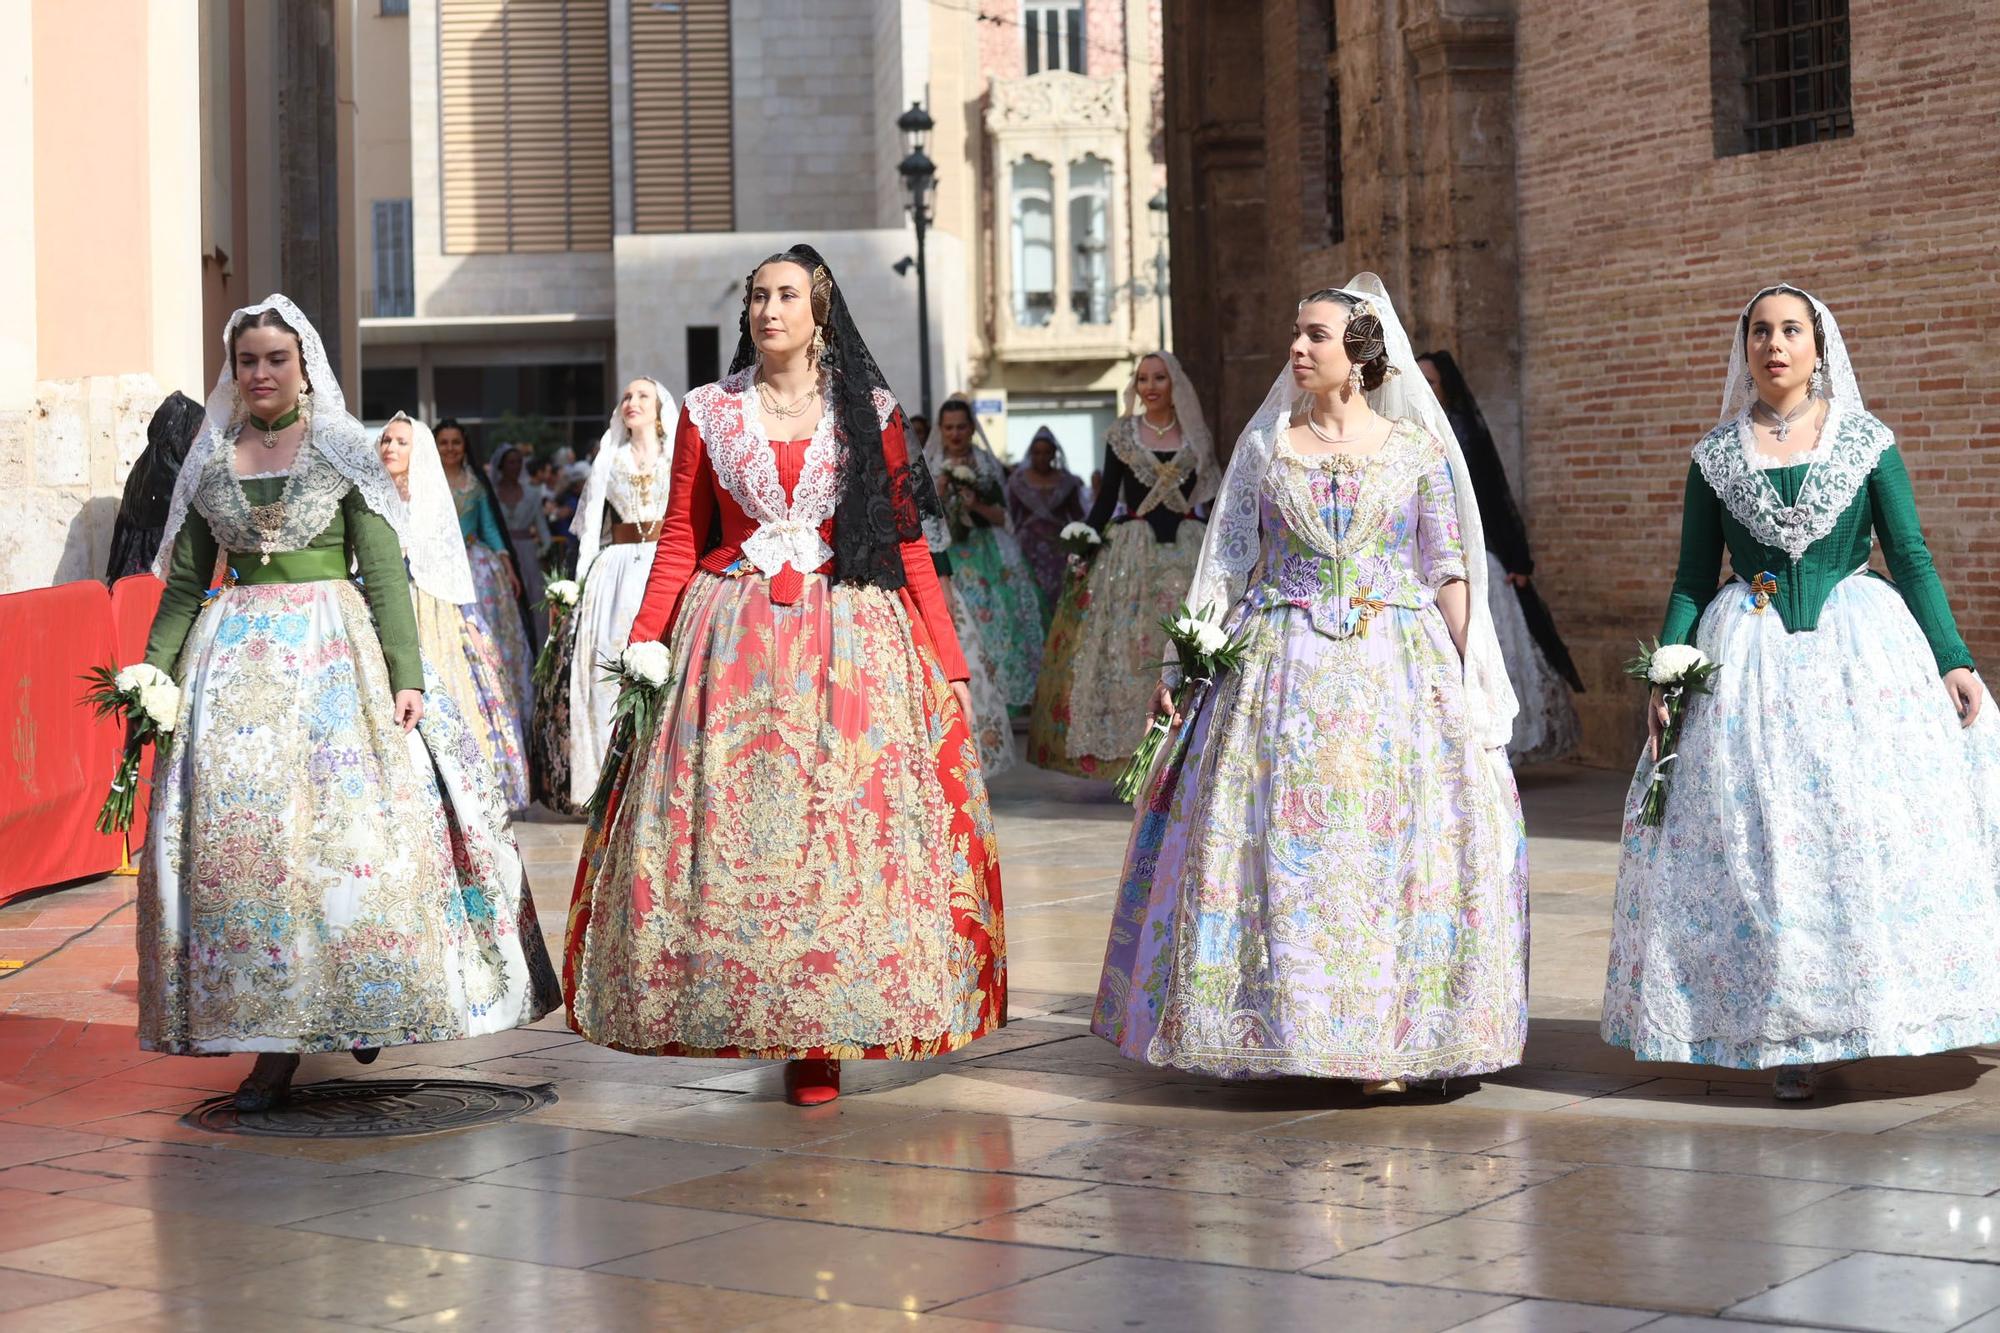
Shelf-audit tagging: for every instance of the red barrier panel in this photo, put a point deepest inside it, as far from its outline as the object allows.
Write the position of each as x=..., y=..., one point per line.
x=135, y=600
x=59, y=757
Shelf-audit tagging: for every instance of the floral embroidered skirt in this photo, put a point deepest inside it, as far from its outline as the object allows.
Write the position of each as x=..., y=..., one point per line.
x=1328, y=876
x=500, y=613
x=314, y=878
x=459, y=651
x=990, y=725
x=549, y=726
x=801, y=862
x=1546, y=727
x=1048, y=724
x=1136, y=582
x=599, y=626
x=999, y=590
x=1826, y=884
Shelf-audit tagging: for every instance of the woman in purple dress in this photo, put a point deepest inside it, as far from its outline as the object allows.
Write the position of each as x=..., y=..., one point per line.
x=1328, y=875
x=1043, y=498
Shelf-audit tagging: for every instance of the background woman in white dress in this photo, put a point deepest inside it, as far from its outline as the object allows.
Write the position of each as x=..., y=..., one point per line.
x=618, y=530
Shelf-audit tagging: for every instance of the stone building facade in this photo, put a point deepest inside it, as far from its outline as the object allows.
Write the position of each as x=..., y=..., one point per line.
x=1557, y=194
x=219, y=191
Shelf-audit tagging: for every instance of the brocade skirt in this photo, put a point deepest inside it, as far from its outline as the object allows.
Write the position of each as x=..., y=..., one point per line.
x=315, y=878
x=800, y=862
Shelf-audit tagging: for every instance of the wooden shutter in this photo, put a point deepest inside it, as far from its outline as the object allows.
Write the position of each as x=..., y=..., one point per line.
x=683, y=178
x=525, y=124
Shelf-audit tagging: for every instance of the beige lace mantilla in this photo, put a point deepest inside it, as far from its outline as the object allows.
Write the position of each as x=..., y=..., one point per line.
x=1162, y=478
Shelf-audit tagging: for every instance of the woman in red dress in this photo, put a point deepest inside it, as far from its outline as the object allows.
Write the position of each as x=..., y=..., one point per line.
x=800, y=864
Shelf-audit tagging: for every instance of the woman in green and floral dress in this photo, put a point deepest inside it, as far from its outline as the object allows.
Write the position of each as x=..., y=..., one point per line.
x=1825, y=885
x=328, y=866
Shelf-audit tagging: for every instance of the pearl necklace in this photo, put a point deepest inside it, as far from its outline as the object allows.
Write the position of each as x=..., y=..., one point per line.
x=1312, y=424
x=1160, y=432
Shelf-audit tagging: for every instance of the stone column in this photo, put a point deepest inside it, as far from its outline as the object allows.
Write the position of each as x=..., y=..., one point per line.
x=1224, y=285
x=1464, y=255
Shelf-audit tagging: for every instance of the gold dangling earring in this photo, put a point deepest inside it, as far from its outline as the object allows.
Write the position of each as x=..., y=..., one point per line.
x=818, y=349
x=1353, y=378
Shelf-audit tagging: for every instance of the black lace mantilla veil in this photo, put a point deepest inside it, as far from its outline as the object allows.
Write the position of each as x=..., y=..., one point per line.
x=879, y=508
x=1506, y=534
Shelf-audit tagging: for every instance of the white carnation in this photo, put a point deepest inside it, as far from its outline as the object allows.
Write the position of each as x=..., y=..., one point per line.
x=1080, y=532
x=647, y=662
x=162, y=703
x=1209, y=639
x=140, y=675
x=1673, y=662
x=563, y=592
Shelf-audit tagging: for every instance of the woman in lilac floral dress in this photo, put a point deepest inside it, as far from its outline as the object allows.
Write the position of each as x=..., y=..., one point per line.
x=1328, y=875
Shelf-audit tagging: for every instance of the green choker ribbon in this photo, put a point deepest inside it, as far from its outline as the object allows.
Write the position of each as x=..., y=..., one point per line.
x=274, y=427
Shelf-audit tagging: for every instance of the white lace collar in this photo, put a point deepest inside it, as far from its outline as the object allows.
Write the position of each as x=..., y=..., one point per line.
x=746, y=465
x=1850, y=443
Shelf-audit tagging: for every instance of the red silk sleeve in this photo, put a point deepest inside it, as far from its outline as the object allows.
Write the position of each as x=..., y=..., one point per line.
x=920, y=574
x=690, y=512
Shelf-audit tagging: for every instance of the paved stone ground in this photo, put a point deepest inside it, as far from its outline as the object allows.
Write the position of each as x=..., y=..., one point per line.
x=1033, y=1182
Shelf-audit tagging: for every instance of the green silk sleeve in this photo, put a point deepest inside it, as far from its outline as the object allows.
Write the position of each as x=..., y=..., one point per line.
x=1894, y=510
x=386, y=584
x=1700, y=566
x=188, y=575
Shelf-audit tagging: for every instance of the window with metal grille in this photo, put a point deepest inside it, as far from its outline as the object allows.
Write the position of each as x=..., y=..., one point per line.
x=1053, y=30
x=524, y=124
x=1336, y=178
x=395, y=261
x=1779, y=72
x=683, y=172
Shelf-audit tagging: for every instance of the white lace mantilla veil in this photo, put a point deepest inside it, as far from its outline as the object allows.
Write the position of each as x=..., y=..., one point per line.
x=614, y=443
x=339, y=440
x=1738, y=393
x=1193, y=422
x=983, y=458
x=435, y=546
x=1229, y=549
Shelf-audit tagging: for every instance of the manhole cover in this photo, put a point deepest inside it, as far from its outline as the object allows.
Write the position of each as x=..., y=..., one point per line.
x=374, y=1108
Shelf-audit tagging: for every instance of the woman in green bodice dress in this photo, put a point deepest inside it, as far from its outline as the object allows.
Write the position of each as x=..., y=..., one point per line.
x=1826, y=883
x=328, y=866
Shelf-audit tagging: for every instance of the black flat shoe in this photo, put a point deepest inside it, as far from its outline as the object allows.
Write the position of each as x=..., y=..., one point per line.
x=269, y=1084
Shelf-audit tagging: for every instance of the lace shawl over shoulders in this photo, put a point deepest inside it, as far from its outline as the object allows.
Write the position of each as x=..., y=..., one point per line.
x=312, y=494
x=1853, y=441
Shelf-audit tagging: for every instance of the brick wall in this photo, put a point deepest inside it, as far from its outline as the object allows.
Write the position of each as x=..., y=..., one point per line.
x=1638, y=246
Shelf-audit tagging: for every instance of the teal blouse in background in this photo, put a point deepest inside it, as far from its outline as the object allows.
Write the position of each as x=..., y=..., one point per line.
x=478, y=520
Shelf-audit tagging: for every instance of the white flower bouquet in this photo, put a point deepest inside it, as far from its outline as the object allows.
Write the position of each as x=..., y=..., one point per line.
x=559, y=599
x=1081, y=541
x=643, y=671
x=151, y=705
x=1205, y=650
x=1678, y=669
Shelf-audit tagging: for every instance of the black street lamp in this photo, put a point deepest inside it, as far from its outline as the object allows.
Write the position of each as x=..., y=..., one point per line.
x=1157, y=206
x=919, y=173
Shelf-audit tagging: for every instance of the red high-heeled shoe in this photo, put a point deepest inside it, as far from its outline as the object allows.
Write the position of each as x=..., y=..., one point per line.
x=811, y=1082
